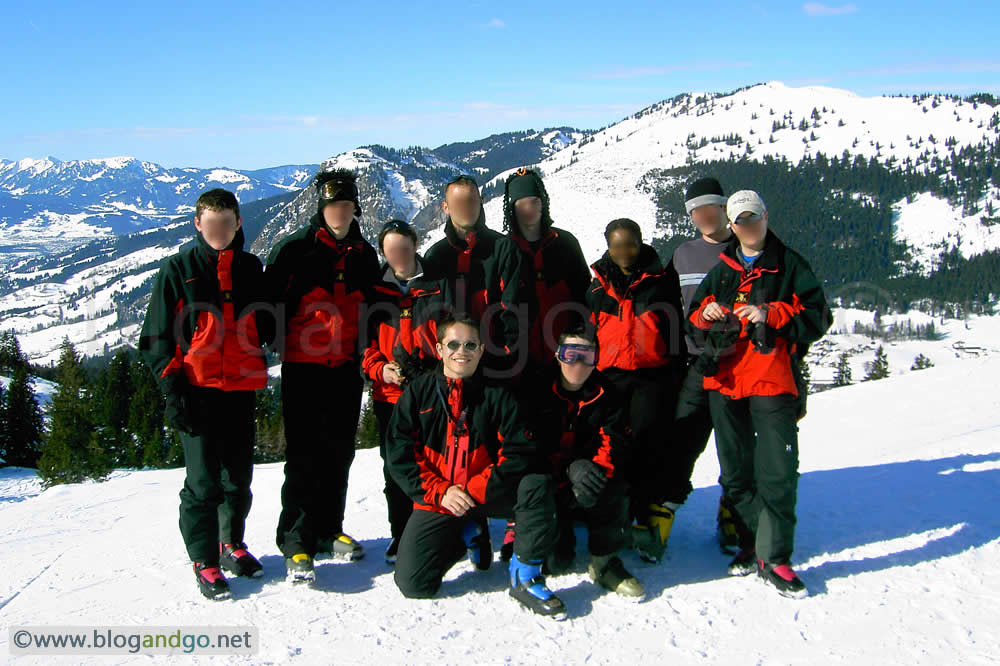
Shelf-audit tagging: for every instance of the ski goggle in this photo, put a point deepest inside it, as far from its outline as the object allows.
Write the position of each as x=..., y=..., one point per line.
x=468, y=345
x=338, y=190
x=570, y=353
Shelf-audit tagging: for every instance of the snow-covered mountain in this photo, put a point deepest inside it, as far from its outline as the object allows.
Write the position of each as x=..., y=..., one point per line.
x=604, y=176
x=48, y=205
x=898, y=540
x=96, y=294
x=407, y=184
x=620, y=171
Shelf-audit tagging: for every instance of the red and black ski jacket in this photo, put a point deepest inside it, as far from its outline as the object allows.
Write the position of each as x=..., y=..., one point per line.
x=208, y=318
x=557, y=278
x=590, y=424
x=402, y=328
x=466, y=432
x=480, y=274
x=758, y=361
x=319, y=287
x=640, y=323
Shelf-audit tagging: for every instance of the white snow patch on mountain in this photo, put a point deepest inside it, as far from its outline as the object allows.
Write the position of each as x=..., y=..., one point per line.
x=930, y=225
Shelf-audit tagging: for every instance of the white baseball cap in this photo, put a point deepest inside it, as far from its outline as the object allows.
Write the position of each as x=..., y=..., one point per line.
x=742, y=202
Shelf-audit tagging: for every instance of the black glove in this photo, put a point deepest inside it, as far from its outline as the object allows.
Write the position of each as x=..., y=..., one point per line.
x=178, y=407
x=721, y=337
x=410, y=365
x=588, y=481
x=762, y=337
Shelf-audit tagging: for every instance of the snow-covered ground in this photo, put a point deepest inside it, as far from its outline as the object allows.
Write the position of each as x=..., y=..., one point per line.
x=898, y=540
x=974, y=338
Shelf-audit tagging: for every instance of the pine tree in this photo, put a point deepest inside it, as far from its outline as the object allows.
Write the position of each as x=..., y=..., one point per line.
x=805, y=373
x=368, y=429
x=843, y=374
x=878, y=368
x=145, y=417
x=10, y=352
x=3, y=427
x=111, y=406
x=921, y=362
x=270, y=444
x=71, y=451
x=22, y=430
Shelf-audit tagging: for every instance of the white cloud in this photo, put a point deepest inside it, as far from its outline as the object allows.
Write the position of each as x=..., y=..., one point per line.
x=496, y=23
x=819, y=9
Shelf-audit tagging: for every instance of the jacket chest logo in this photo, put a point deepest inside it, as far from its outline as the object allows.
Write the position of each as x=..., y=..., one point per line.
x=406, y=313
x=339, y=277
x=742, y=297
x=539, y=276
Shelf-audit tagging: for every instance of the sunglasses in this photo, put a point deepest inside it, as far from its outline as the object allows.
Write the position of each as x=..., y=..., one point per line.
x=570, y=353
x=461, y=178
x=331, y=189
x=468, y=345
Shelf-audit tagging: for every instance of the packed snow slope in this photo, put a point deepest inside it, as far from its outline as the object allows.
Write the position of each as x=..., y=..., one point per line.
x=898, y=541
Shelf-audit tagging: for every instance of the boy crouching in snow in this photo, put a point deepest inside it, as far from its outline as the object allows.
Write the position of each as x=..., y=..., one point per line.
x=582, y=423
x=202, y=337
x=459, y=448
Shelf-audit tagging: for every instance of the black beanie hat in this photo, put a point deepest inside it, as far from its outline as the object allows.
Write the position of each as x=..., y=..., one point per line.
x=523, y=183
x=337, y=185
x=702, y=192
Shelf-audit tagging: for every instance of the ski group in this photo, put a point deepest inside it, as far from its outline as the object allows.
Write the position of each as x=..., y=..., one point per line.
x=509, y=380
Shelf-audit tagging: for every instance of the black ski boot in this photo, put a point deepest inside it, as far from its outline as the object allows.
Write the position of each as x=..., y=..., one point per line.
x=211, y=582
x=527, y=585
x=237, y=560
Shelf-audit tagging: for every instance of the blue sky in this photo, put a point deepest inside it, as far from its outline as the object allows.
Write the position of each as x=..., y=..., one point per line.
x=249, y=85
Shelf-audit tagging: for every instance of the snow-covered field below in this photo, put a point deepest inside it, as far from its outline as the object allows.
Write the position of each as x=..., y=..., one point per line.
x=898, y=541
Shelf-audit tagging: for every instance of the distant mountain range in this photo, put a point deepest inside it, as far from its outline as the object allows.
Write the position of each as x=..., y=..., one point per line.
x=48, y=205
x=897, y=193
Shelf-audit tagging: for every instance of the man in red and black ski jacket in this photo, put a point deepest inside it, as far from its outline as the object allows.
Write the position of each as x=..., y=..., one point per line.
x=638, y=316
x=759, y=308
x=202, y=337
x=480, y=272
x=590, y=424
x=556, y=273
x=321, y=279
x=463, y=435
x=207, y=320
x=488, y=455
x=402, y=328
x=640, y=331
x=740, y=359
